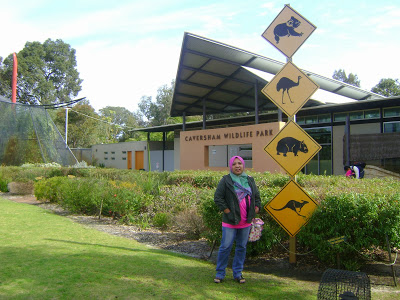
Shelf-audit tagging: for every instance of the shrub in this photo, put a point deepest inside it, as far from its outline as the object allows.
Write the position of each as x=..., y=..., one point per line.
x=161, y=220
x=190, y=222
x=212, y=220
x=21, y=188
x=364, y=211
x=50, y=189
x=364, y=220
x=3, y=185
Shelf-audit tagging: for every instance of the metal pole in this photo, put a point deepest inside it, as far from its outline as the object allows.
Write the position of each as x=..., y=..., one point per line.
x=279, y=115
x=390, y=259
x=292, y=240
x=66, y=127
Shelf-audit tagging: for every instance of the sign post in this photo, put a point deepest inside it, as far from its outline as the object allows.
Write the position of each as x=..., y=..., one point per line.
x=292, y=148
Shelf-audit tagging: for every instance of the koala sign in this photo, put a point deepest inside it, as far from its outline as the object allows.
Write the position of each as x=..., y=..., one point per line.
x=288, y=31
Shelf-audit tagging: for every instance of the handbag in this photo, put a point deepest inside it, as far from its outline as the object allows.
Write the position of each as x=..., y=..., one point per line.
x=256, y=228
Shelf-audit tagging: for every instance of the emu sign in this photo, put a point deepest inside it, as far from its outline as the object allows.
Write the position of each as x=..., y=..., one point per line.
x=290, y=89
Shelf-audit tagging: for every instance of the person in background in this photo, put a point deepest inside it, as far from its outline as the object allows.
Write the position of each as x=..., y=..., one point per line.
x=352, y=172
x=237, y=196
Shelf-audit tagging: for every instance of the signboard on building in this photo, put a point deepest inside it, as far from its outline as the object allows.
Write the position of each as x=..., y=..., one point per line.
x=292, y=208
x=288, y=31
x=290, y=89
x=292, y=148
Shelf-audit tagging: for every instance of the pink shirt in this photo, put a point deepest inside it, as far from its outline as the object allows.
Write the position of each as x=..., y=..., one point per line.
x=243, y=216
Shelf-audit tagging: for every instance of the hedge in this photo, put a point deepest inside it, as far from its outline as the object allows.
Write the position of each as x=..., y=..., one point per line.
x=364, y=211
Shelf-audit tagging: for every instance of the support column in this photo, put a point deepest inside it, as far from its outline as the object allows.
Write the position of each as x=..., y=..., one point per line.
x=256, y=101
x=204, y=113
x=347, y=135
x=163, y=150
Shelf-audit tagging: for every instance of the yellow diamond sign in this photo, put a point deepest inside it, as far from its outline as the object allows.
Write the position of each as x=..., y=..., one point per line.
x=288, y=31
x=292, y=148
x=290, y=89
x=292, y=208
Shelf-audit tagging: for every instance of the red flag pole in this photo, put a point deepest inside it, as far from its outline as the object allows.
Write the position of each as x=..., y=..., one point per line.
x=14, y=79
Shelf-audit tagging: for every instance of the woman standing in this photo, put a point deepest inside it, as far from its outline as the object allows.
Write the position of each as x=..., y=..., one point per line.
x=239, y=199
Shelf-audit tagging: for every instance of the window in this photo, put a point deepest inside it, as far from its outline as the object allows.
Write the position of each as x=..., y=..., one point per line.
x=321, y=164
x=113, y=152
x=371, y=114
x=391, y=112
x=324, y=118
x=321, y=135
x=301, y=120
x=356, y=115
x=339, y=117
x=124, y=158
x=311, y=120
x=123, y=152
x=112, y=158
x=105, y=158
x=219, y=155
x=105, y=152
x=391, y=127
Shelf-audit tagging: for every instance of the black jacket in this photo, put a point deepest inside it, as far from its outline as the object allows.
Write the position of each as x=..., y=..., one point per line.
x=225, y=197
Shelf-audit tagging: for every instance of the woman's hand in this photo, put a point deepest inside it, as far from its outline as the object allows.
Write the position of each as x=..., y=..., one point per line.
x=227, y=210
x=257, y=210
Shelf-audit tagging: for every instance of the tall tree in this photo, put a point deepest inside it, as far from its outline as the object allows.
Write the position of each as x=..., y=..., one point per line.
x=85, y=126
x=387, y=87
x=341, y=76
x=47, y=73
x=157, y=113
x=122, y=117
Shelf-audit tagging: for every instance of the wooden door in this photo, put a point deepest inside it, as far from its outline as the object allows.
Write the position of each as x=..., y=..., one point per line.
x=129, y=160
x=139, y=160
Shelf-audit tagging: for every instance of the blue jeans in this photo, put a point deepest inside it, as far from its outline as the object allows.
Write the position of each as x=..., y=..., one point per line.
x=230, y=235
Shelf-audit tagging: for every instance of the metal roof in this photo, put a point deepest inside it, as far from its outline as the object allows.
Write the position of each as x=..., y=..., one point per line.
x=221, y=75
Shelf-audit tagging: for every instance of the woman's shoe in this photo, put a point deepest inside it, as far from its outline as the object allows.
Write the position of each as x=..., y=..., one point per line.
x=240, y=279
x=217, y=280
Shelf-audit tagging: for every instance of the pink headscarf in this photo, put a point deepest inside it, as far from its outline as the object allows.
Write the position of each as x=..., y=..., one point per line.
x=232, y=159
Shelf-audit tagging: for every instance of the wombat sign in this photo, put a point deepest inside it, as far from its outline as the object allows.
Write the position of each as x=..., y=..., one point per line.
x=290, y=144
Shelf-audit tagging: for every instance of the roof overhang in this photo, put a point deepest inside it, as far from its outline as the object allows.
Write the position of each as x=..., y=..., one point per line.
x=217, y=78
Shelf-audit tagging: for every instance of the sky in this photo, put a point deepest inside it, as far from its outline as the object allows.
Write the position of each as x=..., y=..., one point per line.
x=127, y=49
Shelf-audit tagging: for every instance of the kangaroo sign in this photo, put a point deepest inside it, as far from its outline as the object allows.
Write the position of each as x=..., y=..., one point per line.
x=288, y=31
x=290, y=89
x=292, y=208
x=292, y=148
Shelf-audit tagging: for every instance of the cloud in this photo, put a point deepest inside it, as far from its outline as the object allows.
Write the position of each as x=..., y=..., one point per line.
x=119, y=75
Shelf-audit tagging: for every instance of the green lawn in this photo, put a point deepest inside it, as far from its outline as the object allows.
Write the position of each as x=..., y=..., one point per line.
x=45, y=256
